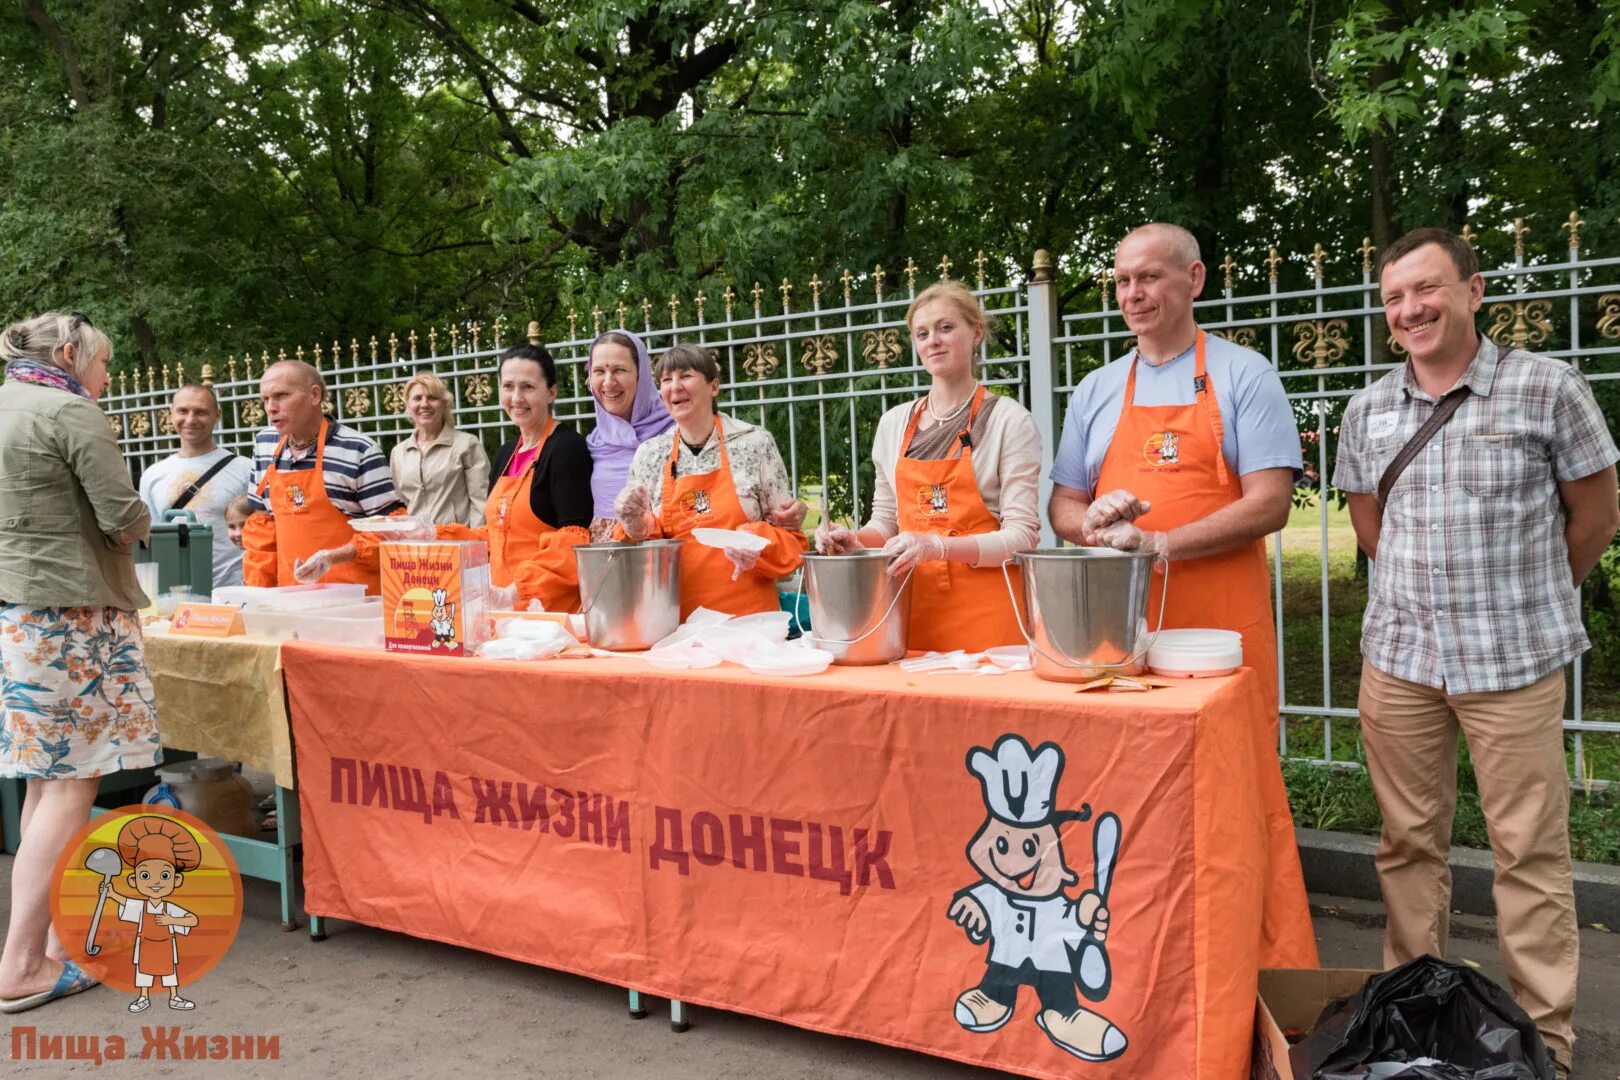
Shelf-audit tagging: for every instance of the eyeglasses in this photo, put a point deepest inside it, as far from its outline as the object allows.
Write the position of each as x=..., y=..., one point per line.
x=80, y=319
x=1426, y=291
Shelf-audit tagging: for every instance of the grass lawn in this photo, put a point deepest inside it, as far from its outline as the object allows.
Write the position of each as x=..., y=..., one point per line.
x=1341, y=798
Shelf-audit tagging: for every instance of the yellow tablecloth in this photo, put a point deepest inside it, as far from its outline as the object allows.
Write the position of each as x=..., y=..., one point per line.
x=222, y=697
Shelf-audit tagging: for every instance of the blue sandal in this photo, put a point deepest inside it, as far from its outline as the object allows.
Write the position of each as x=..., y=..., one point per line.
x=73, y=980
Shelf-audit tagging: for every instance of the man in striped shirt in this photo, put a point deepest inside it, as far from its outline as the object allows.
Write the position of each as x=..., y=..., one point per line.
x=311, y=476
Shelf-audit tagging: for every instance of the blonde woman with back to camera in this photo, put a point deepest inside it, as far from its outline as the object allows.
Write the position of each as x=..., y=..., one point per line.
x=441, y=473
x=957, y=491
x=77, y=693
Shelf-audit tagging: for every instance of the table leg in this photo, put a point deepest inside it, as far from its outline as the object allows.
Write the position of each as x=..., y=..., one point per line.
x=287, y=837
x=638, y=1011
x=317, y=928
x=11, y=800
x=677, y=1016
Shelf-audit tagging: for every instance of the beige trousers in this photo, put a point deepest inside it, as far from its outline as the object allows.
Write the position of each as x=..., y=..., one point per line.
x=1516, y=741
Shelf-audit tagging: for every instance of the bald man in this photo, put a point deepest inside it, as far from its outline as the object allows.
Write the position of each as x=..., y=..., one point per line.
x=1187, y=448
x=311, y=476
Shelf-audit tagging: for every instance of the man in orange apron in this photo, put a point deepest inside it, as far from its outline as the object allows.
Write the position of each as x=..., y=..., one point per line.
x=1187, y=448
x=311, y=477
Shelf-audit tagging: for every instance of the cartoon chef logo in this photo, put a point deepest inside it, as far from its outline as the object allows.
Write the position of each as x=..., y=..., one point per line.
x=696, y=503
x=933, y=500
x=145, y=900
x=1163, y=448
x=442, y=623
x=295, y=495
x=1038, y=935
x=501, y=508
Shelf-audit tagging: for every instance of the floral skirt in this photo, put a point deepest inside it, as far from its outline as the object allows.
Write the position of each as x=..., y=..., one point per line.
x=76, y=695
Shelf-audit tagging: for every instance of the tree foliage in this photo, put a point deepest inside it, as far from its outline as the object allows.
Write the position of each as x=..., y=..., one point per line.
x=205, y=175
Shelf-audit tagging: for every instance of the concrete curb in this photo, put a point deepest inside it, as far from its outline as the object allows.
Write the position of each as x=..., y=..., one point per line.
x=1342, y=864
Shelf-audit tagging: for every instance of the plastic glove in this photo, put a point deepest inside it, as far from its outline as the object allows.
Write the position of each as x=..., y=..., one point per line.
x=788, y=514
x=309, y=571
x=835, y=539
x=911, y=548
x=1123, y=536
x=1111, y=507
x=412, y=528
x=503, y=597
x=631, y=508
x=742, y=560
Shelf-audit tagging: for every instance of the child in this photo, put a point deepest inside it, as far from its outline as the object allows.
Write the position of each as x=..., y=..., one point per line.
x=236, y=514
x=160, y=853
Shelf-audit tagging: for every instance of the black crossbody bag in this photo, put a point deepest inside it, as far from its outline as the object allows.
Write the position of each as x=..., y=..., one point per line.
x=1420, y=438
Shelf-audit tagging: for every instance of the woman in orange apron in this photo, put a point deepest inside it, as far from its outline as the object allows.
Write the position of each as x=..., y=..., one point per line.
x=710, y=472
x=539, y=506
x=957, y=493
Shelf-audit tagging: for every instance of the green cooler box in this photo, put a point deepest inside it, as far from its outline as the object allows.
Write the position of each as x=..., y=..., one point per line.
x=184, y=552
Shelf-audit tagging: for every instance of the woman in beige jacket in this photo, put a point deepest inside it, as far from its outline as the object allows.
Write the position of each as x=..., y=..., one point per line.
x=441, y=473
x=77, y=696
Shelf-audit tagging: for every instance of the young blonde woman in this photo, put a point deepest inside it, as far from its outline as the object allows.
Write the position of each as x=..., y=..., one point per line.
x=957, y=490
x=441, y=473
x=711, y=471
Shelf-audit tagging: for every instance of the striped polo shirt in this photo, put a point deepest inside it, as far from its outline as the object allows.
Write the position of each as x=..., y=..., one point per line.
x=357, y=477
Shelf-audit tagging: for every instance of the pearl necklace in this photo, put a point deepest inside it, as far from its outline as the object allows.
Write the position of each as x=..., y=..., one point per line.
x=928, y=403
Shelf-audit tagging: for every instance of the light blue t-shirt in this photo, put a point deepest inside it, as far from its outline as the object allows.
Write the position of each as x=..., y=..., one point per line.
x=1257, y=422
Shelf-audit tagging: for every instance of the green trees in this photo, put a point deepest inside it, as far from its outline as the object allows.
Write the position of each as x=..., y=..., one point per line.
x=204, y=175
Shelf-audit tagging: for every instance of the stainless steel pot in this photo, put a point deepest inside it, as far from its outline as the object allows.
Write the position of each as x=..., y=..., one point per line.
x=1087, y=610
x=630, y=594
x=858, y=612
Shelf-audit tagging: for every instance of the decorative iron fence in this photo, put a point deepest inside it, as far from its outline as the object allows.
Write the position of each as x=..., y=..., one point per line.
x=820, y=374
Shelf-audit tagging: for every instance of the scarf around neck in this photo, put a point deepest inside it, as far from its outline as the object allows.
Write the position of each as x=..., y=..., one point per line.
x=32, y=371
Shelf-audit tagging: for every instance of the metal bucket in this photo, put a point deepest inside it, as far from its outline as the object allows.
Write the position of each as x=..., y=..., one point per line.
x=1087, y=610
x=630, y=594
x=858, y=612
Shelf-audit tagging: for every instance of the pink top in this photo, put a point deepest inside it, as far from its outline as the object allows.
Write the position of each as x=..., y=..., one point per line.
x=521, y=460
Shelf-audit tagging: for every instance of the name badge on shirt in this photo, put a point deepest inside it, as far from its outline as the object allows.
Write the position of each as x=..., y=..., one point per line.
x=1382, y=426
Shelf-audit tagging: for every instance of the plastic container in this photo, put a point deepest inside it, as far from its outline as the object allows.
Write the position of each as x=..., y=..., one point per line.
x=788, y=660
x=211, y=789
x=289, y=597
x=345, y=624
x=1196, y=653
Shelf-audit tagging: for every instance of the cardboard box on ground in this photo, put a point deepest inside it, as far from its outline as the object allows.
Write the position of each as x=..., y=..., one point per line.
x=1290, y=1000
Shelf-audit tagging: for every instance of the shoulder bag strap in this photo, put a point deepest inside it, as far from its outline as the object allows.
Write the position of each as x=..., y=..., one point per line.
x=1437, y=420
x=201, y=482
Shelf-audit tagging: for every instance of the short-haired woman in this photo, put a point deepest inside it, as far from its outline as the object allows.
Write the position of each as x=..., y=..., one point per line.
x=78, y=698
x=711, y=471
x=957, y=487
x=540, y=506
x=441, y=473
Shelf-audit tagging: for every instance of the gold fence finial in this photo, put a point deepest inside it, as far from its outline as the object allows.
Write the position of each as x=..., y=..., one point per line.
x=787, y=294
x=573, y=325
x=337, y=352
x=411, y=337
x=433, y=341
x=646, y=312
x=596, y=320
x=208, y=374
x=756, y=292
x=730, y=297
x=264, y=360
x=980, y=261
x=945, y=265
x=1366, y=251
x=911, y=274
x=674, y=311
x=1041, y=268
x=151, y=378
x=621, y=312
x=1228, y=265
x=354, y=351
x=372, y=348
x=700, y=301
x=165, y=372
x=877, y=281
x=1520, y=231
x=1318, y=256
x=1273, y=260
x=848, y=280
x=455, y=338
x=1468, y=234
x=815, y=290
x=495, y=330
x=393, y=347
x=477, y=328
x=123, y=383
x=298, y=354
x=1104, y=276
x=317, y=355
x=533, y=331
x=1574, y=226
x=281, y=354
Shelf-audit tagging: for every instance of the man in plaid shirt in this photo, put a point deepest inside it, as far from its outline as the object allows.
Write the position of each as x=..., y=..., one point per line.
x=1473, y=611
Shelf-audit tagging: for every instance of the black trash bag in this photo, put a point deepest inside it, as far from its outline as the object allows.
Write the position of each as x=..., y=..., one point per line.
x=1425, y=1009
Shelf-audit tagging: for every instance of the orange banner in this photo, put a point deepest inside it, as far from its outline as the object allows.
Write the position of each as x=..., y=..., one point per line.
x=997, y=870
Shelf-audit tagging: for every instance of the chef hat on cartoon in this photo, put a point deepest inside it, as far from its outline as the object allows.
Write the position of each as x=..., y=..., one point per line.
x=1020, y=784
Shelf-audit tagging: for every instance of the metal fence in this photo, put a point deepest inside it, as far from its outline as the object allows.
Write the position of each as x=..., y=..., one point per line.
x=820, y=373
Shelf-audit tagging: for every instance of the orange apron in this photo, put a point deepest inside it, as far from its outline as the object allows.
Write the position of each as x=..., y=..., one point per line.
x=709, y=501
x=307, y=521
x=1170, y=456
x=155, y=945
x=953, y=606
x=515, y=531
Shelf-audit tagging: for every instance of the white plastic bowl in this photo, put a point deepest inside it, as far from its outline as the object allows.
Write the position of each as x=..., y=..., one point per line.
x=1010, y=657
x=730, y=538
x=789, y=660
x=773, y=624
